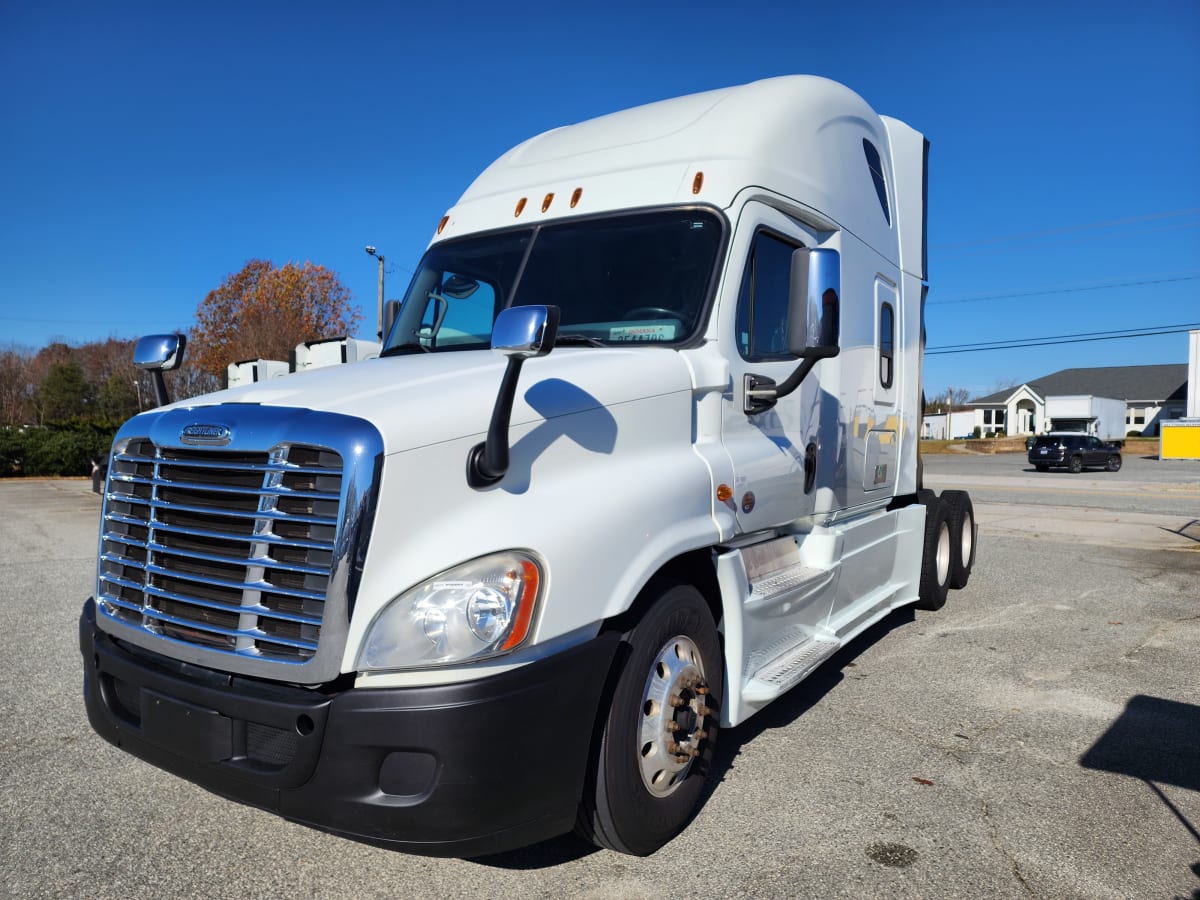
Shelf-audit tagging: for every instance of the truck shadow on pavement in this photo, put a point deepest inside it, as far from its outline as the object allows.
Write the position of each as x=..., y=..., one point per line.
x=1155, y=741
x=780, y=714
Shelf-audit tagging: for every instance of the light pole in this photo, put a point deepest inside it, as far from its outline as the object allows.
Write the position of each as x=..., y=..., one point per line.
x=379, y=321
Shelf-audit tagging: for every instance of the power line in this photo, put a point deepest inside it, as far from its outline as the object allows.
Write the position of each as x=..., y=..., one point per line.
x=1066, y=229
x=1054, y=337
x=1041, y=292
x=1054, y=340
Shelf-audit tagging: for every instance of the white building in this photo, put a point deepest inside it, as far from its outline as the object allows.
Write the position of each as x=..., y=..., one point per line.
x=1152, y=394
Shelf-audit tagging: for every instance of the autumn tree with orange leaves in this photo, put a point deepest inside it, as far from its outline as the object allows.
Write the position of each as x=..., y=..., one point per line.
x=263, y=312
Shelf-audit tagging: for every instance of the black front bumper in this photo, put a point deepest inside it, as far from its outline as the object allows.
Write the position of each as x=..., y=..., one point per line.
x=455, y=770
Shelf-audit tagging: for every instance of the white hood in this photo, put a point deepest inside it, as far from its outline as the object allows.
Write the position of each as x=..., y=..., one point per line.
x=429, y=398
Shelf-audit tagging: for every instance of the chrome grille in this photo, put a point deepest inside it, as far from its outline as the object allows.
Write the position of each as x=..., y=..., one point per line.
x=227, y=551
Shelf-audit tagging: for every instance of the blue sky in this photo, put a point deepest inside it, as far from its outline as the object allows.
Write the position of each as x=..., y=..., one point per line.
x=150, y=149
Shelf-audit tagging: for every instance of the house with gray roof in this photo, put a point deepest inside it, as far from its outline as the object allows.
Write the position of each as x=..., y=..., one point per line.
x=1152, y=394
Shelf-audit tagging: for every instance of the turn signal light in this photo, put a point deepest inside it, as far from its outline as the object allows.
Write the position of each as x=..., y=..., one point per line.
x=724, y=492
x=529, y=591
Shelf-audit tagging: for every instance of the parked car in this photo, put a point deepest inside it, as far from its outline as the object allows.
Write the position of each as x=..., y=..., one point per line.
x=1074, y=451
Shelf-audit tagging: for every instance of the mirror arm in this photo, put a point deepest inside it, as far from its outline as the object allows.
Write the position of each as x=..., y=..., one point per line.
x=487, y=463
x=810, y=359
x=160, y=387
x=761, y=393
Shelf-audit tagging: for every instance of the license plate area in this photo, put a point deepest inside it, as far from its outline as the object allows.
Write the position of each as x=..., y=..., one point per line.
x=185, y=729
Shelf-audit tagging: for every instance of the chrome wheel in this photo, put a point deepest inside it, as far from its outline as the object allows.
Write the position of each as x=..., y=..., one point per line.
x=943, y=553
x=674, y=716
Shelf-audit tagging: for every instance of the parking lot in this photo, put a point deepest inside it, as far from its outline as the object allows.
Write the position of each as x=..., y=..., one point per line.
x=1038, y=737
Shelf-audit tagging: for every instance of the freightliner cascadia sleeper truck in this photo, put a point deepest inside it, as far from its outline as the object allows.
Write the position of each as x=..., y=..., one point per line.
x=638, y=454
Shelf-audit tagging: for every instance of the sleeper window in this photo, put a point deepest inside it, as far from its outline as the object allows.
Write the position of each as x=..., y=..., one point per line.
x=887, y=344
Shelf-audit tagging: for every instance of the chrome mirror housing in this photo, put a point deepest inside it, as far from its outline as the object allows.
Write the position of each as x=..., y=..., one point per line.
x=159, y=351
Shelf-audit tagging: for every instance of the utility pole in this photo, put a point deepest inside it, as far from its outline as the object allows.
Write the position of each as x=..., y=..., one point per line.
x=379, y=321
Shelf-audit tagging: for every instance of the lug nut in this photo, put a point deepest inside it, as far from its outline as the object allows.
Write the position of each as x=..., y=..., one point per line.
x=702, y=710
x=672, y=725
x=674, y=701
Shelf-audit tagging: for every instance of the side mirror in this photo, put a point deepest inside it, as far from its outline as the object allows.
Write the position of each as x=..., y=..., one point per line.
x=520, y=333
x=158, y=353
x=813, y=304
x=391, y=310
x=525, y=331
x=813, y=325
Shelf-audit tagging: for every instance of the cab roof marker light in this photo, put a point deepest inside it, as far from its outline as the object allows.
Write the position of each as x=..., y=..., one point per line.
x=575, y=197
x=520, y=208
x=697, y=182
x=547, y=200
x=442, y=224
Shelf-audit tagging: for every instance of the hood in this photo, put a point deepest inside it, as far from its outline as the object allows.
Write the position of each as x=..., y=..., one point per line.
x=422, y=399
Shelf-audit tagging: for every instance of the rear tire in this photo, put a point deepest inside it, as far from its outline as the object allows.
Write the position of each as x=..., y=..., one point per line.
x=653, y=756
x=962, y=536
x=936, y=554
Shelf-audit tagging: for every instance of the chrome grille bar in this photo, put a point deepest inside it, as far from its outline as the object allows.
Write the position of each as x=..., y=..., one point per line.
x=246, y=554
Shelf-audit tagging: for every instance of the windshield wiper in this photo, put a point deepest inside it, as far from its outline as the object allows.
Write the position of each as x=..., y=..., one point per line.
x=397, y=349
x=578, y=339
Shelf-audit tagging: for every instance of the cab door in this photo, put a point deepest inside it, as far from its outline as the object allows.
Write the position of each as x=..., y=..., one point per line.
x=774, y=452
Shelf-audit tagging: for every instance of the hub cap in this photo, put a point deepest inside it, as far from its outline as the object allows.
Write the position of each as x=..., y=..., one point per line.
x=674, y=716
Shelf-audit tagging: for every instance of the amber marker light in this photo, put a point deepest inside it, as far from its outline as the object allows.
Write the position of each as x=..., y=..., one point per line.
x=697, y=182
x=575, y=197
x=547, y=200
x=724, y=492
x=442, y=224
x=520, y=208
x=529, y=597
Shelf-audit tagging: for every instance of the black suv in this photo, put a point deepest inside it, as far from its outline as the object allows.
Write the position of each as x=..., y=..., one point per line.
x=1075, y=451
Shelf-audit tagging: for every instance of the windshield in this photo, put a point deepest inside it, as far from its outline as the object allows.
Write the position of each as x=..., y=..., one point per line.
x=638, y=277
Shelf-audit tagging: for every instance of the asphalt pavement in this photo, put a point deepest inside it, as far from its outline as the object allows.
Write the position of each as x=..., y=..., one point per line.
x=1038, y=737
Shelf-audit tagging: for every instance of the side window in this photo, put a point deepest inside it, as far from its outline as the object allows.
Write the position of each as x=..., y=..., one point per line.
x=875, y=165
x=887, y=344
x=763, y=302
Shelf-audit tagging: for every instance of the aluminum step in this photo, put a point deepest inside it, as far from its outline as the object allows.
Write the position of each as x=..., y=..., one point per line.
x=788, y=669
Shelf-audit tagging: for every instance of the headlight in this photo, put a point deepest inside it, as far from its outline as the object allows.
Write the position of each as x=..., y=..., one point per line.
x=479, y=609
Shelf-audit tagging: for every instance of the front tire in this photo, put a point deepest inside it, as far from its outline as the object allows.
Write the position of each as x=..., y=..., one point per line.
x=1075, y=465
x=657, y=739
x=1114, y=463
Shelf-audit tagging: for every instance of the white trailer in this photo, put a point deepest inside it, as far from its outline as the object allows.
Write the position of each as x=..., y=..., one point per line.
x=332, y=352
x=639, y=453
x=1103, y=417
x=248, y=371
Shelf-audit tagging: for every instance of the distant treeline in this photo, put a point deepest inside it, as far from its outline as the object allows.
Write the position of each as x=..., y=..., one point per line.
x=61, y=405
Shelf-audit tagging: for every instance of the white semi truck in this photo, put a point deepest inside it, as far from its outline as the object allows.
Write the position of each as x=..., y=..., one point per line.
x=640, y=452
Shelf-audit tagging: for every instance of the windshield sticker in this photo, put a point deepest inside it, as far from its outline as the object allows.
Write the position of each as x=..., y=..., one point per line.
x=642, y=333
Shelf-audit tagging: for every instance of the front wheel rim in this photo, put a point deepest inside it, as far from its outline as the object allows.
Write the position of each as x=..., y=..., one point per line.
x=674, y=716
